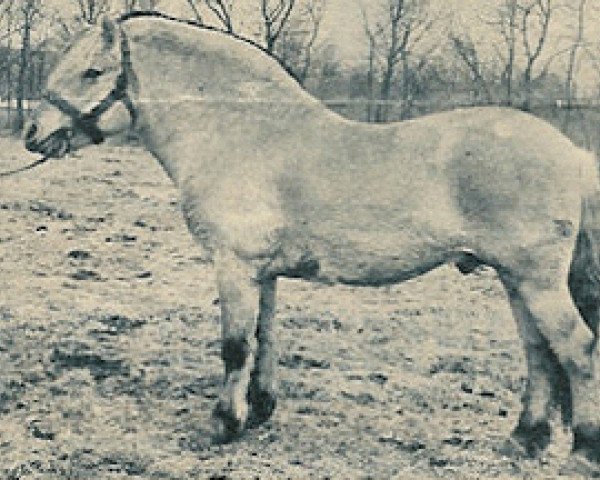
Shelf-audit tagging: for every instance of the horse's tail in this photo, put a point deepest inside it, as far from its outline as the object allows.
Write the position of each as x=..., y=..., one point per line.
x=584, y=274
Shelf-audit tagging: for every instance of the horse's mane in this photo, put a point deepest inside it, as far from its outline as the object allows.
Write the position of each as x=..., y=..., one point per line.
x=193, y=23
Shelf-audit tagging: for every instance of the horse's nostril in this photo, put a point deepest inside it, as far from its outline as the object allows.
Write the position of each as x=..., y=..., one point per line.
x=31, y=132
x=31, y=143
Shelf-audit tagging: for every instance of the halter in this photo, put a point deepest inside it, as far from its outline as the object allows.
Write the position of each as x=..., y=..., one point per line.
x=87, y=122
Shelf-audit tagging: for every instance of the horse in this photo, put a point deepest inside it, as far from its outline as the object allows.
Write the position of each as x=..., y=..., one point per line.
x=273, y=184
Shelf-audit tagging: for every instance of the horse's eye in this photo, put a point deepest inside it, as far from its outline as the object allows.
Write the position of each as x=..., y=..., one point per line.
x=91, y=74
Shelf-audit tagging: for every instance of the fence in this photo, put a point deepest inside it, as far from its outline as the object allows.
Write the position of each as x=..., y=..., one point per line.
x=581, y=122
x=8, y=113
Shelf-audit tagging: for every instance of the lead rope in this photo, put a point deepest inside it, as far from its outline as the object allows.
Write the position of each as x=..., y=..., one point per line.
x=37, y=163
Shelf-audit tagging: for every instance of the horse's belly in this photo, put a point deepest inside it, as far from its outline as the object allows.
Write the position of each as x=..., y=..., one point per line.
x=372, y=249
x=348, y=265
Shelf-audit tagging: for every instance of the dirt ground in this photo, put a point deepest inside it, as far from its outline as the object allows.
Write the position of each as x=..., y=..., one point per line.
x=109, y=350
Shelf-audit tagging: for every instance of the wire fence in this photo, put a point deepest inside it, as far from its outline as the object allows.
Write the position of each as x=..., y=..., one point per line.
x=580, y=121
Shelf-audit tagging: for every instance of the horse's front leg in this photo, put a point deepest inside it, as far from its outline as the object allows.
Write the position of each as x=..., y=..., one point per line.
x=262, y=394
x=239, y=293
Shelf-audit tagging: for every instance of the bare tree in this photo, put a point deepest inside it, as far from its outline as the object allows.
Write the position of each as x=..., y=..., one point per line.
x=573, y=54
x=467, y=53
x=7, y=18
x=534, y=37
x=395, y=37
x=195, y=11
x=298, y=39
x=148, y=5
x=6, y=9
x=289, y=29
x=370, y=72
x=222, y=10
x=139, y=5
x=91, y=10
x=129, y=5
x=29, y=12
x=275, y=16
x=524, y=28
x=506, y=22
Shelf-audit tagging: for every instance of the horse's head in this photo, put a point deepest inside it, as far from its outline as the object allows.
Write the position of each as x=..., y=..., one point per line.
x=88, y=97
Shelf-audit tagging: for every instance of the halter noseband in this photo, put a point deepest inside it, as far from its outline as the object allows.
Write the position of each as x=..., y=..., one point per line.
x=87, y=122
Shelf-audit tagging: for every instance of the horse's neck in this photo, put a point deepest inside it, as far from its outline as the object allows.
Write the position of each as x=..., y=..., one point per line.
x=177, y=80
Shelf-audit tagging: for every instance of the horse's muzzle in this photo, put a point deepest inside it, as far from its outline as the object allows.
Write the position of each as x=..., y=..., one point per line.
x=55, y=145
x=30, y=135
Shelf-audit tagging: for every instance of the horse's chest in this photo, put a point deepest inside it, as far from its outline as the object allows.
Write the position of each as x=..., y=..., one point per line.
x=233, y=212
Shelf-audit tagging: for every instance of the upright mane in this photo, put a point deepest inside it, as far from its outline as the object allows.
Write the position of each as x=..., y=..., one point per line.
x=193, y=23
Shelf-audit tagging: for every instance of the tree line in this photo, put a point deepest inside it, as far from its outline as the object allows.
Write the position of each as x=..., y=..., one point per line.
x=417, y=57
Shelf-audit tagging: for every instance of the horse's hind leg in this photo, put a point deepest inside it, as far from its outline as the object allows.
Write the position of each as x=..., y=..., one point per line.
x=547, y=384
x=584, y=278
x=584, y=286
x=239, y=293
x=262, y=395
x=558, y=321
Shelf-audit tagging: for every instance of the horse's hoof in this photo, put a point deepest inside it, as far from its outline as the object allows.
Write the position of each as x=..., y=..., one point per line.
x=511, y=448
x=262, y=405
x=586, y=443
x=527, y=441
x=225, y=426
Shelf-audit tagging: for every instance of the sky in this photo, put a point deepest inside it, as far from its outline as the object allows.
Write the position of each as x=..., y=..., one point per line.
x=343, y=25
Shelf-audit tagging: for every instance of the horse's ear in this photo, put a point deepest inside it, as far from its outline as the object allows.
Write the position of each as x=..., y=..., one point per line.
x=109, y=30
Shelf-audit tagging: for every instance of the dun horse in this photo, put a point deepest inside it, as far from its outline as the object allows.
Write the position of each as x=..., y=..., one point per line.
x=273, y=184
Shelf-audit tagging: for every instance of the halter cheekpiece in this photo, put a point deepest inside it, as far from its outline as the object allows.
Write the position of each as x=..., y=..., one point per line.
x=87, y=122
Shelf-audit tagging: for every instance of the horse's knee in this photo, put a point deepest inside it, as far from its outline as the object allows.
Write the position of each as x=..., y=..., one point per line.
x=235, y=351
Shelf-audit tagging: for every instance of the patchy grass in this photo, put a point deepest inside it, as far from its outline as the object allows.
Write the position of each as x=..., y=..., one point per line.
x=109, y=350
